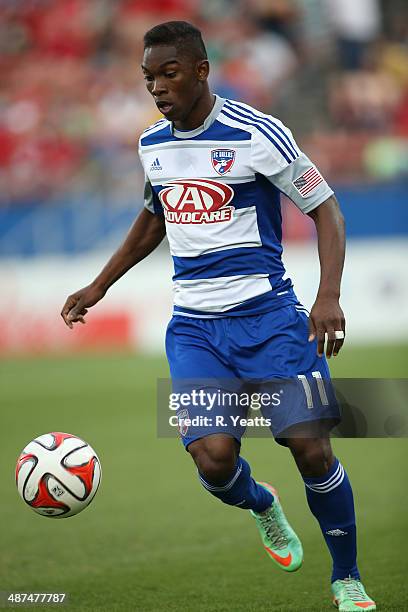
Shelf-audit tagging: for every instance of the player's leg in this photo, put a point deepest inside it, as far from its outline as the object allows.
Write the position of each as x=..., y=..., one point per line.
x=306, y=404
x=306, y=397
x=304, y=418
x=330, y=499
x=226, y=475
x=196, y=350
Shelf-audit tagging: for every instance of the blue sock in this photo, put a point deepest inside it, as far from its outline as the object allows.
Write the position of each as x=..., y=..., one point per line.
x=241, y=490
x=330, y=499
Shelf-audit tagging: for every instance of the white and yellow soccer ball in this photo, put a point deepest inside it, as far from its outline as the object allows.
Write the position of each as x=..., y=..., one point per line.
x=58, y=474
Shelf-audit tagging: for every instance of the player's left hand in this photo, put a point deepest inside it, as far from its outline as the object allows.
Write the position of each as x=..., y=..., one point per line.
x=327, y=317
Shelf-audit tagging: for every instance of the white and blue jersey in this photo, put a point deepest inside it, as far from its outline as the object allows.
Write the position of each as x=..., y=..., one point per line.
x=235, y=317
x=219, y=187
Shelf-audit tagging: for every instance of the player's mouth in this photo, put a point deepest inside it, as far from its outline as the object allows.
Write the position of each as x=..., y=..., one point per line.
x=164, y=106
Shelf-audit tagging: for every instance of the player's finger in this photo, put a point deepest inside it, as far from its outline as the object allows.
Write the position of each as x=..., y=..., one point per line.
x=76, y=312
x=321, y=336
x=68, y=306
x=82, y=315
x=77, y=315
x=340, y=341
x=76, y=319
x=337, y=346
x=312, y=330
x=331, y=339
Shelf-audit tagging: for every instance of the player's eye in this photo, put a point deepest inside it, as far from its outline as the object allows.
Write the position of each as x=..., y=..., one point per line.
x=148, y=78
x=170, y=75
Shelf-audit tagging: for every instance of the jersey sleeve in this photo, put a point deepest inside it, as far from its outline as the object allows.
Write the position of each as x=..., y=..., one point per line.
x=281, y=161
x=151, y=201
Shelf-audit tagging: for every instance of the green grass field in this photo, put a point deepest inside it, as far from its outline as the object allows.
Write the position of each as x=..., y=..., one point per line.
x=153, y=539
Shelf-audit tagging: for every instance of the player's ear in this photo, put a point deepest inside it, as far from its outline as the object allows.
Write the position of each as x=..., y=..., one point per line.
x=203, y=70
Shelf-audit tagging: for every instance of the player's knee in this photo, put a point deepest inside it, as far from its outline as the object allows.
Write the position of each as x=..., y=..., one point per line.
x=313, y=456
x=215, y=457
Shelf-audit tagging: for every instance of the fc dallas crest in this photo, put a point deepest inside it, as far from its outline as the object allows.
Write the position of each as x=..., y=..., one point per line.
x=222, y=160
x=183, y=417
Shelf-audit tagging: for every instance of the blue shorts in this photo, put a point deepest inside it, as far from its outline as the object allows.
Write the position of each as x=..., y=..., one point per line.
x=226, y=359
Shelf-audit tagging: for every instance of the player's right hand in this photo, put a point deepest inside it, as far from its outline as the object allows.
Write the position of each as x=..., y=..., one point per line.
x=77, y=304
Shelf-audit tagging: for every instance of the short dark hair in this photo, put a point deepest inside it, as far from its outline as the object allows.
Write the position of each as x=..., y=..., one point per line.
x=180, y=34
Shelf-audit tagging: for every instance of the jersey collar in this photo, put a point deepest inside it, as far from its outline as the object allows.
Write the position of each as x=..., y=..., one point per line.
x=219, y=102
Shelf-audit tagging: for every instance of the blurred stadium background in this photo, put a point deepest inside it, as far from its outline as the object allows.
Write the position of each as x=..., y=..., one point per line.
x=73, y=103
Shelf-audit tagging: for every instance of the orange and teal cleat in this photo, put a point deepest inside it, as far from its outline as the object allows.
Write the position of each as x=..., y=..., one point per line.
x=349, y=596
x=280, y=541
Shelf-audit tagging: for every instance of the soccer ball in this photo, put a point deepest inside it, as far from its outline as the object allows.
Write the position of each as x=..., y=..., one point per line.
x=58, y=474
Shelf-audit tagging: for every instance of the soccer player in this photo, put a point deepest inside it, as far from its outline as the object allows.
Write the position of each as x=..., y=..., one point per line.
x=214, y=172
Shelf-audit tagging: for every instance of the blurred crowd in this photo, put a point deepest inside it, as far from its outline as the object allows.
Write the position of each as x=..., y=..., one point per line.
x=73, y=103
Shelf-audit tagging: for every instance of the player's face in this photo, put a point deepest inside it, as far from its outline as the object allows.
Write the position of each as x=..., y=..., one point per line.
x=175, y=81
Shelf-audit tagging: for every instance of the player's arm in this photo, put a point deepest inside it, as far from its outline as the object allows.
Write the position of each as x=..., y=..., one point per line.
x=144, y=236
x=326, y=315
x=295, y=175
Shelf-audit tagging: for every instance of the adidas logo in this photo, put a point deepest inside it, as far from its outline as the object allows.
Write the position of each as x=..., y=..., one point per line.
x=156, y=165
x=336, y=532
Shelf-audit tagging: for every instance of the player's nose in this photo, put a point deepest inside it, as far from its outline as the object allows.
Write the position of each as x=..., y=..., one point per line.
x=158, y=88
